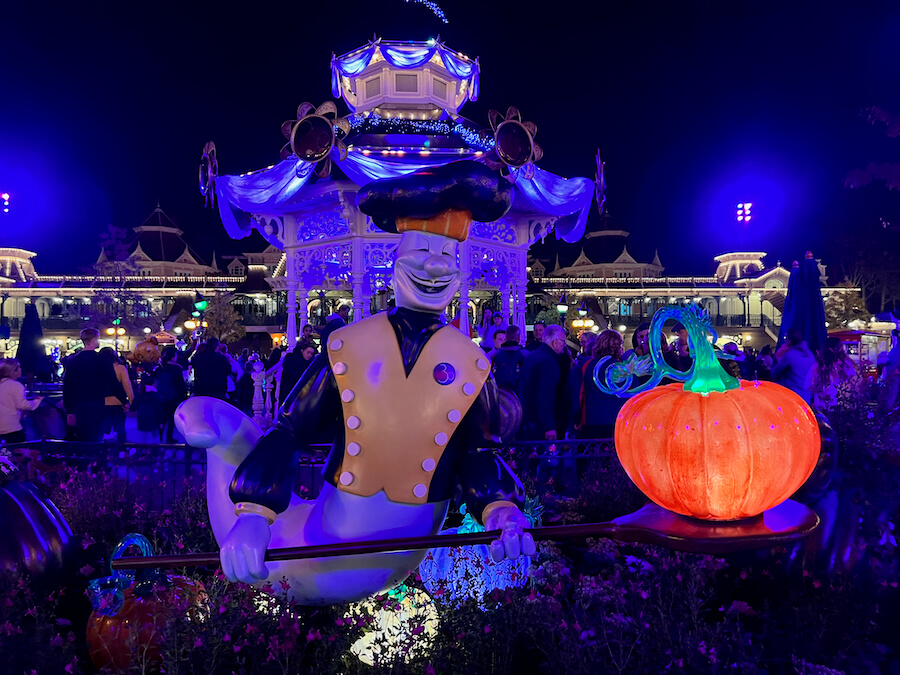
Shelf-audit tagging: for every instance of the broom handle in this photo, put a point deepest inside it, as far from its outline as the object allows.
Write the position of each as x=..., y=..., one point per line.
x=558, y=532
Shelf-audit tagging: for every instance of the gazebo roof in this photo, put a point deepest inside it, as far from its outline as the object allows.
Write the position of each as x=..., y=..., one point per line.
x=160, y=240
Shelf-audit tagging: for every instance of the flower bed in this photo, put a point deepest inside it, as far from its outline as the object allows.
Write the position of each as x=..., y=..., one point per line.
x=589, y=607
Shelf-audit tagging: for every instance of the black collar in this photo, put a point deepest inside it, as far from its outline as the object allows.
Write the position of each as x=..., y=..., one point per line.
x=413, y=329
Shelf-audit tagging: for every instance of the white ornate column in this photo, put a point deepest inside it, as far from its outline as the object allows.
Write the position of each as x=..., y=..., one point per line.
x=507, y=295
x=465, y=268
x=358, y=276
x=521, y=284
x=290, y=275
x=303, y=296
x=259, y=395
x=291, y=313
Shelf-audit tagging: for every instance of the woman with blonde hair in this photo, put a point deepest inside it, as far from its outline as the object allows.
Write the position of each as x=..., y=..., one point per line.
x=13, y=402
x=599, y=410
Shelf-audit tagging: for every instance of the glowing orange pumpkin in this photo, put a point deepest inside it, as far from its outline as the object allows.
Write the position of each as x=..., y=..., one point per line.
x=134, y=636
x=721, y=455
x=126, y=631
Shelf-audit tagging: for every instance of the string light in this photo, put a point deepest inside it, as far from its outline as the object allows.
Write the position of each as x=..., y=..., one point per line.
x=374, y=123
x=433, y=6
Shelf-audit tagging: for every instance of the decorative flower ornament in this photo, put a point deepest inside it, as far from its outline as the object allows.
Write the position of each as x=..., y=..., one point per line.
x=514, y=145
x=209, y=169
x=314, y=133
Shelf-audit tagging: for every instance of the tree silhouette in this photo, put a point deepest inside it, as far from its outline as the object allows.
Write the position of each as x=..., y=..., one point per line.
x=222, y=319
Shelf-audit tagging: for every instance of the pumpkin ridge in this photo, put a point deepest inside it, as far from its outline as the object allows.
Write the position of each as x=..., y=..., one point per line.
x=748, y=487
x=768, y=394
x=667, y=451
x=788, y=488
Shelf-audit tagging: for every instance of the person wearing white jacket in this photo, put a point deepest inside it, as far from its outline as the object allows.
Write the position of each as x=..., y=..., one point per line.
x=13, y=402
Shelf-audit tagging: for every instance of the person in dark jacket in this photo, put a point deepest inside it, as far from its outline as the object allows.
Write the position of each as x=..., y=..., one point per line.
x=536, y=339
x=293, y=365
x=211, y=371
x=598, y=410
x=538, y=386
x=337, y=320
x=507, y=363
x=170, y=386
x=574, y=384
x=794, y=361
x=88, y=380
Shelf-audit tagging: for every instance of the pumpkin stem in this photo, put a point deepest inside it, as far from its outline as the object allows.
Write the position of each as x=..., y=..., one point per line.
x=707, y=374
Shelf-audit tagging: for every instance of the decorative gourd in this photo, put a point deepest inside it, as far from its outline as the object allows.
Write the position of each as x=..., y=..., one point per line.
x=715, y=448
x=456, y=573
x=128, y=624
x=34, y=533
x=145, y=352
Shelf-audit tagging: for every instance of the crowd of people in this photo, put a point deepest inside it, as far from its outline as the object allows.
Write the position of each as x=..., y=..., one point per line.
x=560, y=399
x=552, y=375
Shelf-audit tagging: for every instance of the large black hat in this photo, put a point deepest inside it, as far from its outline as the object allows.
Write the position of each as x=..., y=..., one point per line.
x=432, y=200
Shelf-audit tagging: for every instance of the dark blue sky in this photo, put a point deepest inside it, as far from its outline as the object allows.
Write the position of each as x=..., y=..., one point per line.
x=696, y=106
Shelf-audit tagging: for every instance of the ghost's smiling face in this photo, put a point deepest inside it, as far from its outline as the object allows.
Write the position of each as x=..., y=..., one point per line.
x=426, y=271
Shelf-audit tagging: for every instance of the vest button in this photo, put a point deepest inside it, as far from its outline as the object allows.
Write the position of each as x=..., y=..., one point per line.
x=482, y=364
x=353, y=449
x=339, y=368
x=441, y=438
x=353, y=422
x=420, y=490
x=429, y=464
x=454, y=416
x=468, y=388
x=336, y=345
x=346, y=478
x=347, y=395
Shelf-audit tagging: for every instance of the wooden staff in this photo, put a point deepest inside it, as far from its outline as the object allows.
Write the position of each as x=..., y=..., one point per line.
x=650, y=525
x=363, y=547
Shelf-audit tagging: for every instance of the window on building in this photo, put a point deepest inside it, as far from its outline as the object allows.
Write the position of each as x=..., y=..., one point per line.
x=373, y=87
x=406, y=83
x=439, y=87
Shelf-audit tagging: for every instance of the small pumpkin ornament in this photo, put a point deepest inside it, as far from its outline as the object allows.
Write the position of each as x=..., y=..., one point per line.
x=715, y=448
x=146, y=352
x=129, y=623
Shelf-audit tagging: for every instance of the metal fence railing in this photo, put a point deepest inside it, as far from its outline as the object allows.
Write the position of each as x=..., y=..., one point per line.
x=158, y=472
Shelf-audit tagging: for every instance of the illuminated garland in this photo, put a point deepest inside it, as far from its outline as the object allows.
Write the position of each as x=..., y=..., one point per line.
x=433, y=6
x=377, y=124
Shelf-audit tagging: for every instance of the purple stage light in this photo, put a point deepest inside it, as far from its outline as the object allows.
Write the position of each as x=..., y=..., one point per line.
x=743, y=212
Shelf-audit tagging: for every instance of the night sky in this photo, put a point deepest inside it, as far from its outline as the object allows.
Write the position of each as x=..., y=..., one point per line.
x=697, y=106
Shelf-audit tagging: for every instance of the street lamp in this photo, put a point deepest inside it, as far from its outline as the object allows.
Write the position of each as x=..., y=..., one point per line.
x=200, y=303
x=583, y=309
x=562, y=306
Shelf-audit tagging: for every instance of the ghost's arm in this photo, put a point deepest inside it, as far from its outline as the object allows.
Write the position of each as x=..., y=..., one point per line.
x=266, y=477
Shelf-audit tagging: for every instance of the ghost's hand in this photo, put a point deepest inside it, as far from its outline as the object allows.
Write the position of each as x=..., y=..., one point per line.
x=513, y=541
x=244, y=549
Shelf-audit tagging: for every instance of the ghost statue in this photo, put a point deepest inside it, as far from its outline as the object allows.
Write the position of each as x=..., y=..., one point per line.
x=408, y=400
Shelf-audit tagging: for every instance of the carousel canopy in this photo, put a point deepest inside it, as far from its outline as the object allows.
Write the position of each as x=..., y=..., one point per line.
x=394, y=133
x=405, y=56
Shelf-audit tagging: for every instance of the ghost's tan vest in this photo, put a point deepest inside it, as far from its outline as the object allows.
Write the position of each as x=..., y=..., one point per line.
x=397, y=427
